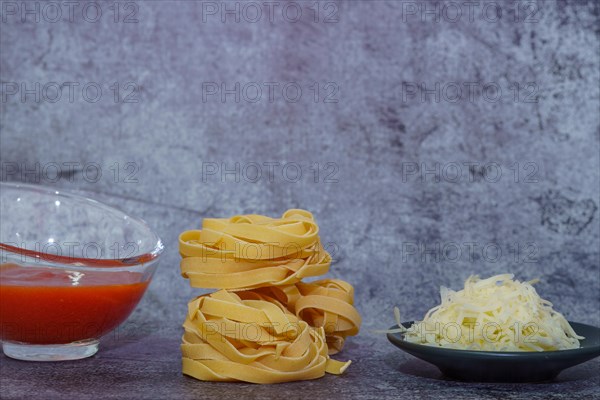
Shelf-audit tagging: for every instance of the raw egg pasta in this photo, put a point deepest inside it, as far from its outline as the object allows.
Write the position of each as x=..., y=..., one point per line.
x=228, y=338
x=327, y=303
x=265, y=325
x=250, y=251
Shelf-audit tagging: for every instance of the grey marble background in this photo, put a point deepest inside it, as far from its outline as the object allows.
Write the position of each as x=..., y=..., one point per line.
x=430, y=145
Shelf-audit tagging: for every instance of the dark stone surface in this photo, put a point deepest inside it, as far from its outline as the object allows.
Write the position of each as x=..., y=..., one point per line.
x=412, y=191
x=149, y=367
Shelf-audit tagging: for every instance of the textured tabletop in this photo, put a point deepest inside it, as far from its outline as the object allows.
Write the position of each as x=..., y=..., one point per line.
x=431, y=140
x=149, y=368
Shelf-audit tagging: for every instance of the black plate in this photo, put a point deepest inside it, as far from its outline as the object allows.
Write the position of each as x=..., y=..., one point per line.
x=495, y=366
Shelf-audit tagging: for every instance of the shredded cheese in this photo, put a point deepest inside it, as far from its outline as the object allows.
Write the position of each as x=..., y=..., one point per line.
x=493, y=314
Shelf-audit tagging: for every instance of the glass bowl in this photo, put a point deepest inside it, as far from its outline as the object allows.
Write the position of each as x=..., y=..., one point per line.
x=71, y=270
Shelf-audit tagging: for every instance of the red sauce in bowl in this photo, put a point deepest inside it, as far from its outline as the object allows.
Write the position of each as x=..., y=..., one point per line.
x=41, y=305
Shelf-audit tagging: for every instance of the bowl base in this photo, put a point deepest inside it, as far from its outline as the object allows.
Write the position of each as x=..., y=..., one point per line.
x=499, y=375
x=50, y=352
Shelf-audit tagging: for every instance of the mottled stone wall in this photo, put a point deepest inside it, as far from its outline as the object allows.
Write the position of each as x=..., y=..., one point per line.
x=429, y=145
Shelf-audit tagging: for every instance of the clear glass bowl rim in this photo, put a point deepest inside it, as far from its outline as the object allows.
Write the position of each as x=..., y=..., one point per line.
x=132, y=261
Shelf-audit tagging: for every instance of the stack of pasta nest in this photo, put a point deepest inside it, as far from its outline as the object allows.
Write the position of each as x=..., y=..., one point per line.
x=263, y=324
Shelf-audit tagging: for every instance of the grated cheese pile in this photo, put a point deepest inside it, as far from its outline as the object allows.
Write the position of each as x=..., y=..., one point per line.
x=493, y=314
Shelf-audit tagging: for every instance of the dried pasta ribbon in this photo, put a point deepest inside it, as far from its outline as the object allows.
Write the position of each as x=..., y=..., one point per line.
x=231, y=337
x=327, y=303
x=252, y=251
x=265, y=325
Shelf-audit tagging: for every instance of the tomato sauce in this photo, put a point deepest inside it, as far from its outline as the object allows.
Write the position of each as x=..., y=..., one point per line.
x=40, y=305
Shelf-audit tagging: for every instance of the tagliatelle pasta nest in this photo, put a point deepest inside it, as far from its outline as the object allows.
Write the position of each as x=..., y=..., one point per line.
x=265, y=325
x=230, y=339
x=327, y=303
x=250, y=251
